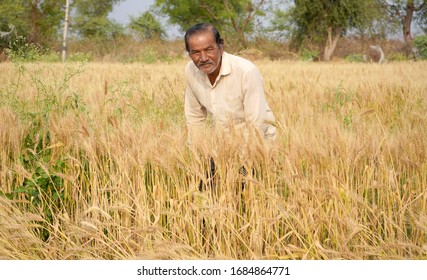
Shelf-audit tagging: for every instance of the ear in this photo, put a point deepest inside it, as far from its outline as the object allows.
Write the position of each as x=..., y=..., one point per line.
x=221, y=47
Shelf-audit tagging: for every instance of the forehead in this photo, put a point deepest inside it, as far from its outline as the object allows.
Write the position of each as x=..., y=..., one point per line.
x=201, y=40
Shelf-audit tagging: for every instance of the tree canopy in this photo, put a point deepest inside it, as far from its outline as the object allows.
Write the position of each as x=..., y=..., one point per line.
x=91, y=18
x=322, y=22
x=37, y=20
x=234, y=18
x=308, y=24
x=404, y=12
x=146, y=26
x=41, y=21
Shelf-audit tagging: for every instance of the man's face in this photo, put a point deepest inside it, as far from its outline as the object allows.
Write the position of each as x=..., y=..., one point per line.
x=205, y=52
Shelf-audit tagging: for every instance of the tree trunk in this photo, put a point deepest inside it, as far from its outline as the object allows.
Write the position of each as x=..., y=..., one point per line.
x=34, y=35
x=64, y=39
x=407, y=21
x=331, y=42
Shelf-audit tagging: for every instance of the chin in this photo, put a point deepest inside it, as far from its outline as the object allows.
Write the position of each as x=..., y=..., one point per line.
x=208, y=71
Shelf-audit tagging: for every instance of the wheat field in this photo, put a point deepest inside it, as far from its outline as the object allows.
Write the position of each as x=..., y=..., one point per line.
x=94, y=165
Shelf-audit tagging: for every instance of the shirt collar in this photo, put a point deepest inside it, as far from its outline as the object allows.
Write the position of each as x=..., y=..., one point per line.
x=225, y=65
x=225, y=68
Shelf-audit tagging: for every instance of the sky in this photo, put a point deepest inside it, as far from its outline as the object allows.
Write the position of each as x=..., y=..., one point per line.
x=122, y=12
x=127, y=8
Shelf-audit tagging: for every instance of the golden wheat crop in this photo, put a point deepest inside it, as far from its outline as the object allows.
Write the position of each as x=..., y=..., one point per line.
x=94, y=165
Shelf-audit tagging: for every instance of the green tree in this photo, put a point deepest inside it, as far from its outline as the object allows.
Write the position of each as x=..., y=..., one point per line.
x=39, y=21
x=10, y=10
x=90, y=19
x=280, y=22
x=420, y=43
x=146, y=26
x=323, y=22
x=45, y=20
x=405, y=11
x=234, y=18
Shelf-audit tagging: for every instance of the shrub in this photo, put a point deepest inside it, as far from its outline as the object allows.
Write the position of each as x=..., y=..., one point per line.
x=21, y=50
x=80, y=57
x=397, y=57
x=50, y=57
x=354, y=58
x=310, y=55
x=148, y=55
x=420, y=43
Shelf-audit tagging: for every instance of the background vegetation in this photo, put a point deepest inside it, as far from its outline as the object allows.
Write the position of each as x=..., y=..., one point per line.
x=275, y=29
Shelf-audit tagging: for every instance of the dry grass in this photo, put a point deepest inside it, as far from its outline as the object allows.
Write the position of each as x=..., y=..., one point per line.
x=94, y=165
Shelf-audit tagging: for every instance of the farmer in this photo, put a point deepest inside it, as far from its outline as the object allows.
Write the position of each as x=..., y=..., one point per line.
x=228, y=87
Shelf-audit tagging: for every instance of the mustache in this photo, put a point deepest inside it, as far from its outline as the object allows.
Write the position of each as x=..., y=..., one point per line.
x=205, y=63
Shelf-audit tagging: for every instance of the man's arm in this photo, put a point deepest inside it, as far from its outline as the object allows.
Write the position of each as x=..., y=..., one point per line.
x=254, y=102
x=195, y=114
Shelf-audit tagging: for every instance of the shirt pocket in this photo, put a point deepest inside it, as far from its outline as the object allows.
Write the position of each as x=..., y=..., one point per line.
x=234, y=103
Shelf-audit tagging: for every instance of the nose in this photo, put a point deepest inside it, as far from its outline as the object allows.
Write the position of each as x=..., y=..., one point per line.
x=203, y=56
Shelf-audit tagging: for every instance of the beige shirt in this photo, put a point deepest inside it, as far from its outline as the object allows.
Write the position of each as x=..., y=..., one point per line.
x=237, y=96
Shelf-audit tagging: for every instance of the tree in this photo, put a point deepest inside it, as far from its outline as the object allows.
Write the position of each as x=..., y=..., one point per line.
x=404, y=11
x=45, y=20
x=280, y=23
x=39, y=21
x=423, y=20
x=8, y=10
x=323, y=22
x=91, y=20
x=231, y=17
x=146, y=26
x=65, y=33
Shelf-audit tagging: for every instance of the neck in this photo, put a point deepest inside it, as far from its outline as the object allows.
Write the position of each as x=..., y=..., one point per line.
x=212, y=76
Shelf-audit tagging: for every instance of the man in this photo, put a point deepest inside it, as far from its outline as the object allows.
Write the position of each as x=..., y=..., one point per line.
x=228, y=87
